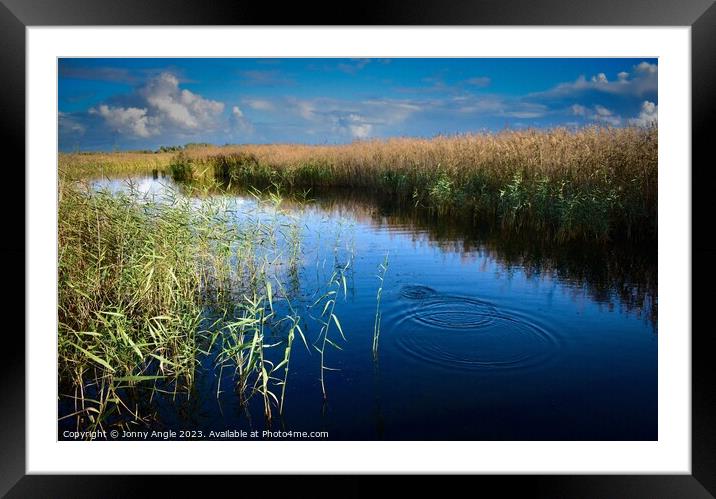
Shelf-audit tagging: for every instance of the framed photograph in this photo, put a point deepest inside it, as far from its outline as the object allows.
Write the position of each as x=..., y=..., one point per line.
x=435, y=241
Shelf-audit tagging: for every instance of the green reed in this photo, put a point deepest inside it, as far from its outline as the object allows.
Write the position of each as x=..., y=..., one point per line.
x=382, y=269
x=326, y=303
x=147, y=286
x=326, y=318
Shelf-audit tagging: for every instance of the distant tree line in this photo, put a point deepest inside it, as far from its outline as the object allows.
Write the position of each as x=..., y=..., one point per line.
x=190, y=145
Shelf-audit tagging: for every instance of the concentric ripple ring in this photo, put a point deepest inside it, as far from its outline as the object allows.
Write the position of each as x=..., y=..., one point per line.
x=468, y=332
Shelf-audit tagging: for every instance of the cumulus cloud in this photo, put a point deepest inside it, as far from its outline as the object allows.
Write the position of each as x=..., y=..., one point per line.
x=356, y=125
x=646, y=68
x=127, y=120
x=647, y=116
x=600, y=114
x=161, y=106
x=179, y=107
x=643, y=79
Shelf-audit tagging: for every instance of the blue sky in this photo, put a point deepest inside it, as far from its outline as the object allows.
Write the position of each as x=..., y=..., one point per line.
x=107, y=104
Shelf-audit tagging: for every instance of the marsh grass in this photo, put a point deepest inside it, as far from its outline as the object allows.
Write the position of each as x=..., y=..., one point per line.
x=590, y=183
x=80, y=166
x=147, y=286
x=128, y=302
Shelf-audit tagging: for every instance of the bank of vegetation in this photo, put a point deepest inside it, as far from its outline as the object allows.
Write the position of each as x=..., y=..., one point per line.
x=150, y=287
x=591, y=183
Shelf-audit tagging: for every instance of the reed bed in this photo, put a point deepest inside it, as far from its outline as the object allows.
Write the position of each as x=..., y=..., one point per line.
x=80, y=166
x=590, y=183
x=147, y=286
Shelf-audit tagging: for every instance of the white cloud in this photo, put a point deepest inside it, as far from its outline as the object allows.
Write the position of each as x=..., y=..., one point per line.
x=646, y=68
x=179, y=107
x=598, y=113
x=360, y=131
x=259, y=104
x=490, y=105
x=127, y=120
x=525, y=111
x=306, y=109
x=163, y=107
x=371, y=117
x=471, y=105
x=647, y=116
x=610, y=120
x=355, y=125
x=642, y=79
x=602, y=111
x=357, y=119
x=239, y=122
x=390, y=111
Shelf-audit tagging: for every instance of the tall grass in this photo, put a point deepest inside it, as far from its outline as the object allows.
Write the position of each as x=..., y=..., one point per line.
x=118, y=164
x=146, y=286
x=129, y=279
x=594, y=183
x=591, y=183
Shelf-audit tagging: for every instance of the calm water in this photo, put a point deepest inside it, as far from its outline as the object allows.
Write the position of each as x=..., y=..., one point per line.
x=482, y=337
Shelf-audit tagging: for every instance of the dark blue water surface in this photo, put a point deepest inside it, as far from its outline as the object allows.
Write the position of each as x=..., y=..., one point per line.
x=483, y=337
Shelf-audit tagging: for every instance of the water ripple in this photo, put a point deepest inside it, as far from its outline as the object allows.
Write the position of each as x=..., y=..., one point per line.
x=417, y=292
x=468, y=332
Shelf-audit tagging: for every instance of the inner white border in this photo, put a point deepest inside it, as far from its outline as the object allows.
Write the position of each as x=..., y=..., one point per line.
x=670, y=454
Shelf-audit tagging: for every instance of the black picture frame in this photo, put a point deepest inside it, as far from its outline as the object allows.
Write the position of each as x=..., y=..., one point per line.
x=700, y=15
